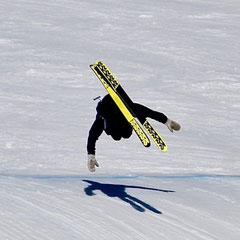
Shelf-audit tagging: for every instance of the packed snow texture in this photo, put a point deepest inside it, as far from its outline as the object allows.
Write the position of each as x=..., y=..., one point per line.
x=177, y=57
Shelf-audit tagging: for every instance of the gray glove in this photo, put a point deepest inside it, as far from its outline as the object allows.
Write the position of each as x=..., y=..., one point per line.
x=92, y=162
x=172, y=125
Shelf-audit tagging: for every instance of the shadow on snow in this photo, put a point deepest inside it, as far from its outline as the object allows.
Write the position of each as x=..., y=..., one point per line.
x=119, y=191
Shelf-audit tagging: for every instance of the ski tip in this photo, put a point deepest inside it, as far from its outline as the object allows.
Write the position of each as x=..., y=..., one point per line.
x=148, y=144
x=164, y=149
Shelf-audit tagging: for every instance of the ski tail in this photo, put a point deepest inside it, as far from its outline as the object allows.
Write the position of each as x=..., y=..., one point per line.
x=158, y=140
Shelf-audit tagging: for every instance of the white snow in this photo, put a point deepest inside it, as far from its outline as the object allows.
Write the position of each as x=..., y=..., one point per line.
x=177, y=57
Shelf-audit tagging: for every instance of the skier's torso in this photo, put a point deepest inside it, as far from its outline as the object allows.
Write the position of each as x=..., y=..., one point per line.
x=115, y=123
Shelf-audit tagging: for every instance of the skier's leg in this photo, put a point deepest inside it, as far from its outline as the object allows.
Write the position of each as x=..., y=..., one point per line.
x=126, y=130
x=119, y=129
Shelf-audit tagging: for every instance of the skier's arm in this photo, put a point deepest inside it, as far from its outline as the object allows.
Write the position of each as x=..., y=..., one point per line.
x=94, y=133
x=145, y=112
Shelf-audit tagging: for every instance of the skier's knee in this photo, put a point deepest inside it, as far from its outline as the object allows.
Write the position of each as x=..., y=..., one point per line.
x=116, y=137
x=127, y=134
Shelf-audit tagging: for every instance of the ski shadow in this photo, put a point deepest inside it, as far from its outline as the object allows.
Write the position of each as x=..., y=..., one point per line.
x=119, y=191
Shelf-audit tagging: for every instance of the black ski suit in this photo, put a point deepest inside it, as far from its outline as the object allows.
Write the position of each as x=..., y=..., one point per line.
x=110, y=119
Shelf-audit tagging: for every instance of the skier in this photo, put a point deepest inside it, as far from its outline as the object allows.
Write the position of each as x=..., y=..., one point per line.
x=110, y=119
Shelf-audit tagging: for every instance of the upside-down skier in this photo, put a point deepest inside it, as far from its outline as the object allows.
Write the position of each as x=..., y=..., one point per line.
x=110, y=119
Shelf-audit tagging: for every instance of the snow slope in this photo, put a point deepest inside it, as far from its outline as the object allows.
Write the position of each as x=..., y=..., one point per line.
x=178, y=57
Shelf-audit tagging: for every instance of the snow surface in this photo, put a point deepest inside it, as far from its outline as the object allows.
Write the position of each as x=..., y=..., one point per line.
x=177, y=57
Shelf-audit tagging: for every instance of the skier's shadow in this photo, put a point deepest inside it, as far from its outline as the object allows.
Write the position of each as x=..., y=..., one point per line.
x=114, y=190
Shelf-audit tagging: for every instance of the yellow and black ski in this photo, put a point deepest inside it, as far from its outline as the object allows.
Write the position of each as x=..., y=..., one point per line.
x=127, y=114
x=123, y=101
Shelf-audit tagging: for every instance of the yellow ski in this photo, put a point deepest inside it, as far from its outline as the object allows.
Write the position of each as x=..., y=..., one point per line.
x=129, y=117
x=122, y=99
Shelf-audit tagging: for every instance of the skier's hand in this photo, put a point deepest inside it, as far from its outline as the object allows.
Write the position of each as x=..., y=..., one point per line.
x=92, y=162
x=172, y=125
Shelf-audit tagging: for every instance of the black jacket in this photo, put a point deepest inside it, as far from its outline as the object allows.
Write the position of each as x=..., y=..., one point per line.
x=110, y=119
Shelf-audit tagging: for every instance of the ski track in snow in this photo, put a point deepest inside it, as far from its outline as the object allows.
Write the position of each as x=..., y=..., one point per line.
x=178, y=57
